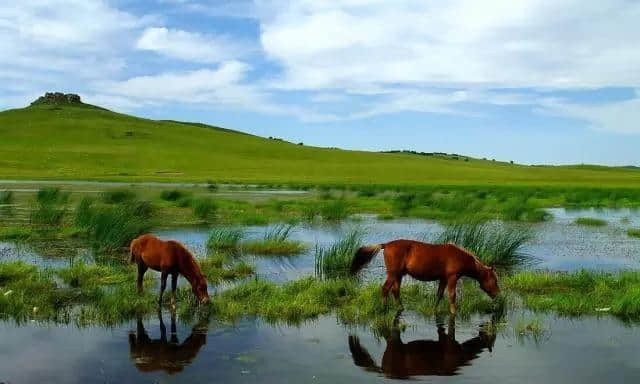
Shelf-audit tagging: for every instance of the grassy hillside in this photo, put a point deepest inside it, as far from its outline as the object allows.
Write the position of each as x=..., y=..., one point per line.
x=90, y=143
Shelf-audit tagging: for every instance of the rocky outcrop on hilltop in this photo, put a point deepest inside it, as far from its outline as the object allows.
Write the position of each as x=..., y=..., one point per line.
x=58, y=98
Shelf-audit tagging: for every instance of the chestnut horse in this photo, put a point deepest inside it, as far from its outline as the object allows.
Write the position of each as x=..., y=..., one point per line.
x=445, y=263
x=169, y=258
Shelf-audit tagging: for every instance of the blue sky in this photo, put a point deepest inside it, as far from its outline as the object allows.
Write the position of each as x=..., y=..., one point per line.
x=530, y=81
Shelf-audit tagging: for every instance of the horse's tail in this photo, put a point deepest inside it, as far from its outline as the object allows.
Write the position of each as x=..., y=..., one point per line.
x=363, y=256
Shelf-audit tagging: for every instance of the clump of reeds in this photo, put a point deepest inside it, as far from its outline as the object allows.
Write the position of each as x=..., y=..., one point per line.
x=334, y=210
x=6, y=197
x=493, y=244
x=204, y=208
x=335, y=261
x=275, y=242
x=634, y=232
x=116, y=196
x=590, y=222
x=225, y=238
x=172, y=195
x=50, y=208
x=111, y=228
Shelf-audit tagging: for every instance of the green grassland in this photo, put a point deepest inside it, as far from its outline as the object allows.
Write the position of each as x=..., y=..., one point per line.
x=82, y=142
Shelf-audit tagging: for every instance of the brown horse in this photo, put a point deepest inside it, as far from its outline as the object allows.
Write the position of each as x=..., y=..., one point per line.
x=441, y=357
x=169, y=258
x=168, y=355
x=445, y=263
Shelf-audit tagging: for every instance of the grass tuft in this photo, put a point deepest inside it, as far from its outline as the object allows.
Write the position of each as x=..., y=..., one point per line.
x=117, y=196
x=275, y=242
x=335, y=260
x=172, y=195
x=493, y=244
x=634, y=232
x=591, y=221
x=225, y=238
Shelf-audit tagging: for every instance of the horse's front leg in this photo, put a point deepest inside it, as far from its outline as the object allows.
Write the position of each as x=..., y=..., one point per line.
x=174, y=285
x=142, y=268
x=451, y=287
x=163, y=284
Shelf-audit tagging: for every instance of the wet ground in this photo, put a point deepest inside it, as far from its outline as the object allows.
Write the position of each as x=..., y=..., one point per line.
x=583, y=350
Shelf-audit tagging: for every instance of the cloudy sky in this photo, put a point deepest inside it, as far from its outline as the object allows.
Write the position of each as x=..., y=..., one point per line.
x=524, y=80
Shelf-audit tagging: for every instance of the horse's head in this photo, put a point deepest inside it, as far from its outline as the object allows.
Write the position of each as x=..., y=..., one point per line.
x=489, y=281
x=200, y=290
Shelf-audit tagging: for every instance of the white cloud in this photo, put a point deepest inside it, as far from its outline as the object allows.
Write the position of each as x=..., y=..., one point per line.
x=190, y=46
x=208, y=86
x=72, y=38
x=620, y=117
x=493, y=43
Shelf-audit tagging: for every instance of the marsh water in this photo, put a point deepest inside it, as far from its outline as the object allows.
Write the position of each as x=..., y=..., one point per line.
x=567, y=350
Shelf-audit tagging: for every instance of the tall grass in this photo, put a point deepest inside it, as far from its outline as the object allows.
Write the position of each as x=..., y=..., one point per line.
x=111, y=228
x=83, y=213
x=494, y=245
x=225, y=238
x=275, y=242
x=116, y=196
x=335, y=260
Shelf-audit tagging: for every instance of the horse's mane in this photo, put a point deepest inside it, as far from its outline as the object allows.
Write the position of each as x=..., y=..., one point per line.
x=189, y=261
x=468, y=252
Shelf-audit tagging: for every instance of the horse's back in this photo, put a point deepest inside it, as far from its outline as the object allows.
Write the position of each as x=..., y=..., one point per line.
x=423, y=261
x=155, y=252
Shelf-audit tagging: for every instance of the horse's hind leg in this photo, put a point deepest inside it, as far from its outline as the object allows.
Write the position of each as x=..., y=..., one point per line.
x=395, y=288
x=174, y=284
x=451, y=287
x=142, y=268
x=386, y=287
x=441, y=285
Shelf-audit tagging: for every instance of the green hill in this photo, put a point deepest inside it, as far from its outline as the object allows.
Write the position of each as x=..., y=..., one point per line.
x=83, y=142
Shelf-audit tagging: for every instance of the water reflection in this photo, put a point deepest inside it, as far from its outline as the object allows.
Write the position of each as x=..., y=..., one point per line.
x=168, y=355
x=441, y=357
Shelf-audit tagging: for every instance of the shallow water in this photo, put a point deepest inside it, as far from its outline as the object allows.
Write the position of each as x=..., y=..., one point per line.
x=584, y=350
x=571, y=351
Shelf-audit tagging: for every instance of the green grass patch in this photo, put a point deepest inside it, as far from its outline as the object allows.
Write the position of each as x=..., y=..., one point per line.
x=15, y=233
x=335, y=261
x=275, y=242
x=634, y=232
x=80, y=274
x=590, y=222
x=494, y=244
x=220, y=267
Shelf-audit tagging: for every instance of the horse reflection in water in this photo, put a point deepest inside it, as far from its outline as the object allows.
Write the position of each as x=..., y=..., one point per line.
x=442, y=357
x=168, y=355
